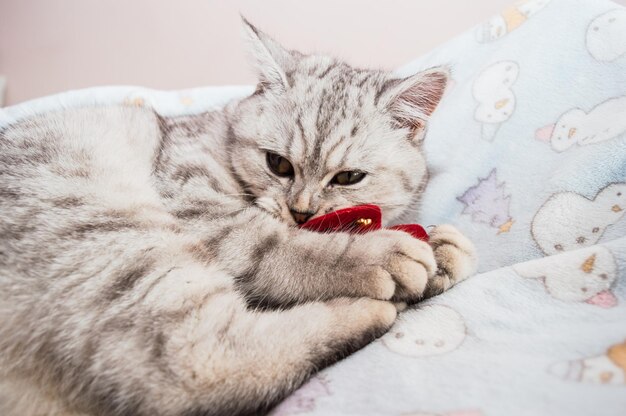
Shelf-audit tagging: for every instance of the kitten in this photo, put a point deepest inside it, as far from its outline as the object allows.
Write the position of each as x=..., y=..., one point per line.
x=151, y=266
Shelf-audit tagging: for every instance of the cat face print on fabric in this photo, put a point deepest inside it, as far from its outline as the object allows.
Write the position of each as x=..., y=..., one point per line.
x=607, y=368
x=496, y=100
x=567, y=220
x=605, y=121
x=488, y=203
x=303, y=400
x=508, y=20
x=585, y=275
x=431, y=330
x=606, y=36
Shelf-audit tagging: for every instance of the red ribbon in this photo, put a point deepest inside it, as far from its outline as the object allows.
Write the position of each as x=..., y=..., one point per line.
x=360, y=219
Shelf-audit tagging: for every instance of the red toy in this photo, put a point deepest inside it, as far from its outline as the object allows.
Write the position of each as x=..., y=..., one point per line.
x=359, y=219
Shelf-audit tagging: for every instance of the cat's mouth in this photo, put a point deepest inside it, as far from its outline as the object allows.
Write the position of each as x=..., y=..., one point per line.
x=282, y=212
x=353, y=219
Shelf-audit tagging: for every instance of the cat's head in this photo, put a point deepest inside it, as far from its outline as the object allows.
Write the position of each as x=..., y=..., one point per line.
x=319, y=135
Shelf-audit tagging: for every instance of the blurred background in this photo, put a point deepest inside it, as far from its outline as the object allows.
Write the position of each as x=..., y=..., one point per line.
x=48, y=46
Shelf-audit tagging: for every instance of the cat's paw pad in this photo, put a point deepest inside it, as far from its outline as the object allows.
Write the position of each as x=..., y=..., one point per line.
x=404, y=264
x=455, y=254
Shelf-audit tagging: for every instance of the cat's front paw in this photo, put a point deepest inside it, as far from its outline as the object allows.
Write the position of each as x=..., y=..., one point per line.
x=456, y=258
x=398, y=265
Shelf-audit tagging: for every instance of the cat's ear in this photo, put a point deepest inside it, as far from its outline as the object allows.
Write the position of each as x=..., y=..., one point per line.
x=270, y=59
x=413, y=99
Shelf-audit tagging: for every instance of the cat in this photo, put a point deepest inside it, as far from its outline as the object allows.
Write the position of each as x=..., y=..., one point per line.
x=153, y=266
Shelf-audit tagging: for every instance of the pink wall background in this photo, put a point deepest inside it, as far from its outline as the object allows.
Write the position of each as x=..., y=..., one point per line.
x=48, y=46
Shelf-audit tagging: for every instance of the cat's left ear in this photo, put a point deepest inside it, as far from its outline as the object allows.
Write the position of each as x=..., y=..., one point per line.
x=413, y=99
x=271, y=60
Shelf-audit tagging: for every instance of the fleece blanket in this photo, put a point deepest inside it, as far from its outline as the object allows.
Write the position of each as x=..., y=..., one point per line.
x=527, y=156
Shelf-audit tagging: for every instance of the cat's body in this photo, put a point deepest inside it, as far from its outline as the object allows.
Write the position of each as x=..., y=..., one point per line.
x=150, y=266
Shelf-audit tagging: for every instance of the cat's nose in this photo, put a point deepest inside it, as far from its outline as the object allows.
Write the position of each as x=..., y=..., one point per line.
x=300, y=217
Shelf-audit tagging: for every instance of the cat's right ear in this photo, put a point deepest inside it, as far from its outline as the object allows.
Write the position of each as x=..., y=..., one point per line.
x=413, y=99
x=270, y=59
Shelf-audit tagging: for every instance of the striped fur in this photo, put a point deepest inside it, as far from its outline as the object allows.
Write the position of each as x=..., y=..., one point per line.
x=149, y=265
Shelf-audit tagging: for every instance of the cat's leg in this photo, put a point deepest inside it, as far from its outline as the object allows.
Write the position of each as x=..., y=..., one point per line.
x=179, y=340
x=381, y=265
x=263, y=356
x=276, y=265
x=456, y=259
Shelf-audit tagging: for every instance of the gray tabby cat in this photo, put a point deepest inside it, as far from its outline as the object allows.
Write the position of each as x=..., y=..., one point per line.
x=151, y=266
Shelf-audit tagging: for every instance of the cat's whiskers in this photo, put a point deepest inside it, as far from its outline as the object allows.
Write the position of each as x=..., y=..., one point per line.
x=237, y=194
x=392, y=204
x=269, y=205
x=231, y=213
x=339, y=218
x=403, y=207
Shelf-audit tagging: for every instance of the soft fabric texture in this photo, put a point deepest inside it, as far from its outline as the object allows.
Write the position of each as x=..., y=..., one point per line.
x=527, y=156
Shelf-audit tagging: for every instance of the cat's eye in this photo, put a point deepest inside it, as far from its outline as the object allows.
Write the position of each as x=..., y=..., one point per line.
x=348, y=178
x=279, y=165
